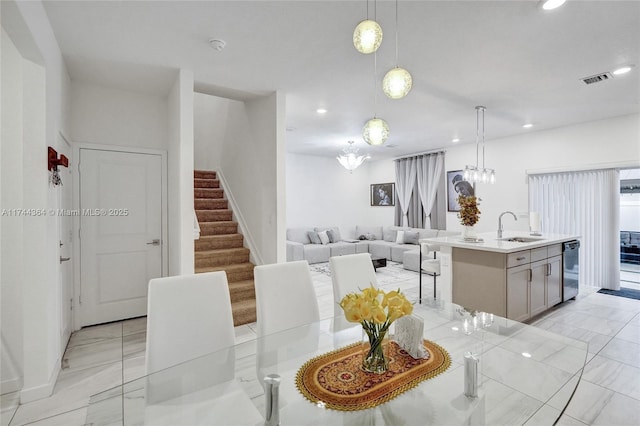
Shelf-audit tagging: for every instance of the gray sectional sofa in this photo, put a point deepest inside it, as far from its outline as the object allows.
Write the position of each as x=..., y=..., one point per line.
x=381, y=242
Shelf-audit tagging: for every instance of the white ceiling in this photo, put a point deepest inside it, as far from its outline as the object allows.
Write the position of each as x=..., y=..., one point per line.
x=522, y=63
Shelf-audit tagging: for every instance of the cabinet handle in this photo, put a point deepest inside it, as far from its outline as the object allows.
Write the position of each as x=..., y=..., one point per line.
x=530, y=275
x=521, y=258
x=548, y=269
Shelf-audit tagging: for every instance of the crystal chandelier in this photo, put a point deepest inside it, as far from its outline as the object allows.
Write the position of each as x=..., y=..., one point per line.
x=350, y=159
x=476, y=173
x=397, y=82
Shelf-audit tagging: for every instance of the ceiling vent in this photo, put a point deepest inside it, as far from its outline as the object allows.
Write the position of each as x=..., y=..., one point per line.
x=597, y=78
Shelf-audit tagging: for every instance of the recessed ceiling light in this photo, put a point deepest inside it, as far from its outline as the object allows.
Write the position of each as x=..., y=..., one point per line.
x=454, y=140
x=321, y=111
x=622, y=70
x=552, y=4
x=527, y=126
x=526, y=354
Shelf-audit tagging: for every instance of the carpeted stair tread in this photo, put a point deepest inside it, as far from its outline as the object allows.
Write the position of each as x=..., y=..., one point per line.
x=220, y=246
x=204, y=174
x=214, y=215
x=235, y=273
x=219, y=257
x=212, y=242
x=211, y=204
x=244, y=312
x=218, y=228
x=206, y=183
x=241, y=290
x=208, y=193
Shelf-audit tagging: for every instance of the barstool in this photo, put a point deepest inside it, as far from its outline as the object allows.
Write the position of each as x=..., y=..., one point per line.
x=430, y=266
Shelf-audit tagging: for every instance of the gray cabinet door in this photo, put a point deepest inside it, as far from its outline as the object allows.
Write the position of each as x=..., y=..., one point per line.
x=518, y=293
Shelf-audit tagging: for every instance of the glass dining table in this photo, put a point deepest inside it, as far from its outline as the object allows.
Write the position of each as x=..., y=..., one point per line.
x=526, y=375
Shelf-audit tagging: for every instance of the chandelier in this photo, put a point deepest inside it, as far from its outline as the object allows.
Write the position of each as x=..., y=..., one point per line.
x=350, y=159
x=476, y=173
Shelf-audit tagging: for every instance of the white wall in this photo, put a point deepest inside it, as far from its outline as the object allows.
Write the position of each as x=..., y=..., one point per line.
x=11, y=272
x=588, y=145
x=110, y=116
x=210, y=126
x=320, y=192
x=244, y=141
x=180, y=171
x=45, y=111
x=249, y=163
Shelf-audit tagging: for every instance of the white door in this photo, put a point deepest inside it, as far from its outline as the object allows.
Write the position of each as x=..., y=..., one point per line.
x=65, y=224
x=120, y=233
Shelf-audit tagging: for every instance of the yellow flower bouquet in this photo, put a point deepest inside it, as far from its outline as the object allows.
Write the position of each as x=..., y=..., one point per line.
x=375, y=310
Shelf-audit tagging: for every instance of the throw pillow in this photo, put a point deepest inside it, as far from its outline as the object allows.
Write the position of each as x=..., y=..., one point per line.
x=371, y=237
x=313, y=236
x=324, y=238
x=400, y=237
x=411, y=237
x=334, y=235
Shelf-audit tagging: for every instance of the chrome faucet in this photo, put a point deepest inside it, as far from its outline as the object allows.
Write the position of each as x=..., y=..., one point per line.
x=500, y=221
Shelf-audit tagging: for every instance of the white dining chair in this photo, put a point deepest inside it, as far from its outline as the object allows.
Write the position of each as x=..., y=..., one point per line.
x=187, y=316
x=285, y=297
x=349, y=274
x=190, y=357
x=428, y=265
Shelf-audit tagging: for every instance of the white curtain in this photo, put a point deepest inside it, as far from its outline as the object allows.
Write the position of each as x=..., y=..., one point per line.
x=429, y=171
x=405, y=181
x=587, y=204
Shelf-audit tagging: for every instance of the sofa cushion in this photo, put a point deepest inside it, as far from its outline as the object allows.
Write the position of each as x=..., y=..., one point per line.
x=341, y=248
x=316, y=253
x=411, y=237
x=380, y=249
x=324, y=238
x=314, y=237
x=299, y=235
x=397, y=251
x=391, y=233
x=376, y=231
x=332, y=231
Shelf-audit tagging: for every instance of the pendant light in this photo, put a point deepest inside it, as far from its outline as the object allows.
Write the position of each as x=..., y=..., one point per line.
x=367, y=36
x=376, y=130
x=397, y=82
x=350, y=159
x=476, y=174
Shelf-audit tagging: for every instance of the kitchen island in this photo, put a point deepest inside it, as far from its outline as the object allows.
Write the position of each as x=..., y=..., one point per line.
x=517, y=276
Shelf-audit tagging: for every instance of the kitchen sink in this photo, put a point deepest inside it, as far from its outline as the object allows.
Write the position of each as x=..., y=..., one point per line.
x=520, y=239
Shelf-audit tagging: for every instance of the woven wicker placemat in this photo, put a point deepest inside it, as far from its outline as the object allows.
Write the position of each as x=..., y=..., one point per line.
x=337, y=380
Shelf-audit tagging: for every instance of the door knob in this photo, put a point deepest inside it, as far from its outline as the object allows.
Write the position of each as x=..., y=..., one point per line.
x=155, y=242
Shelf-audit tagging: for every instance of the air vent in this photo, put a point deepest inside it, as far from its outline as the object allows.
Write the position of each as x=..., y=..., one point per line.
x=597, y=78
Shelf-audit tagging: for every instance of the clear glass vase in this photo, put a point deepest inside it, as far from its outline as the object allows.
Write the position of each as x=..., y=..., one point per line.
x=469, y=233
x=373, y=355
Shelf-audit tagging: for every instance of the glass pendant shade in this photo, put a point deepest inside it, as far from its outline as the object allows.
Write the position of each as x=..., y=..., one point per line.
x=367, y=36
x=397, y=83
x=477, y=173
x=350, y=159
x=376, y=131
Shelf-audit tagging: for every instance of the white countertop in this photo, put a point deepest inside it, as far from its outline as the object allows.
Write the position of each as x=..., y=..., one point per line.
x=490, y=241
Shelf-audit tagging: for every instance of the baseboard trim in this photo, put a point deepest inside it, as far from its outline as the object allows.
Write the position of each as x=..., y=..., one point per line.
x=43, y=391
x=11, y=385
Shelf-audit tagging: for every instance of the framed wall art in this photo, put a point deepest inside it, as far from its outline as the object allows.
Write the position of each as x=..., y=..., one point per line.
x=383, y=194
x=456, y=185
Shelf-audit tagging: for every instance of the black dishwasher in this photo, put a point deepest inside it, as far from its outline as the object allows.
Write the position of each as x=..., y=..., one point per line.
x=570, y=269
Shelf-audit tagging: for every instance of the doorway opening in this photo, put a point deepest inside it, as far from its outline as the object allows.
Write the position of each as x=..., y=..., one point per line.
x=630, y=228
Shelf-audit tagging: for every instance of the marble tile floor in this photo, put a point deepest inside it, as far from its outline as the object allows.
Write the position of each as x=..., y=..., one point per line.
x=100, y=357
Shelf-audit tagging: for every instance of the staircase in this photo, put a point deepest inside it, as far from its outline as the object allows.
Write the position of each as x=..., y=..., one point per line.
x=220, y=247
